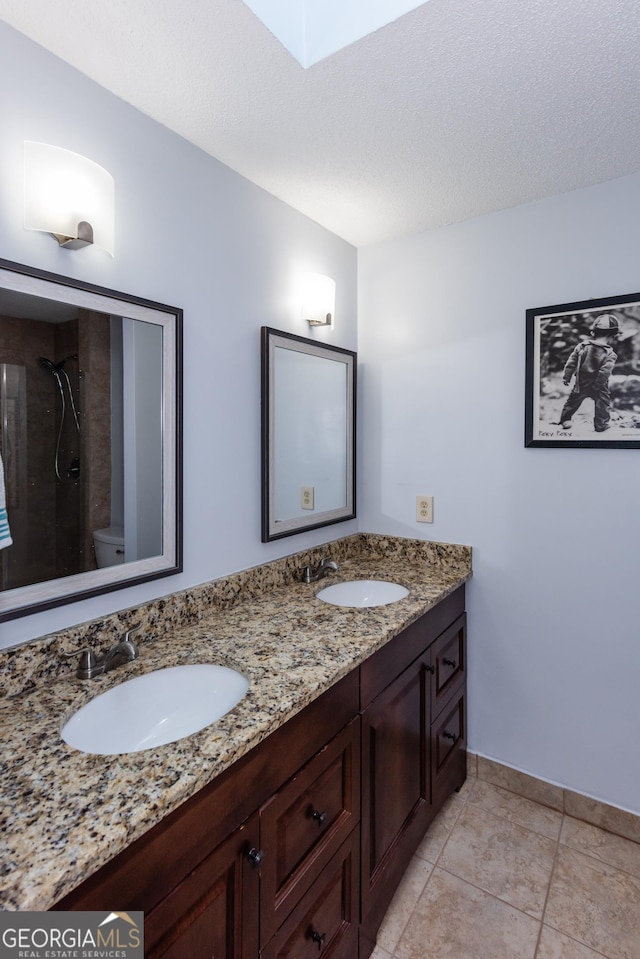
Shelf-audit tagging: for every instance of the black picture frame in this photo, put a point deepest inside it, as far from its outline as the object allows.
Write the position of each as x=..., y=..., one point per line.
x=576, y=395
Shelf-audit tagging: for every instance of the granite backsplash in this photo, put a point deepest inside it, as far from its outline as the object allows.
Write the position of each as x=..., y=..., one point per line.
x=39, y=661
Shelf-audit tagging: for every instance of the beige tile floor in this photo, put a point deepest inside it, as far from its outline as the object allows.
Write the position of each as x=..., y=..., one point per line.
x=501, y=877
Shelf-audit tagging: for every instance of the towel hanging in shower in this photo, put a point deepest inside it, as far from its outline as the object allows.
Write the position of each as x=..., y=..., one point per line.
x=5, y=534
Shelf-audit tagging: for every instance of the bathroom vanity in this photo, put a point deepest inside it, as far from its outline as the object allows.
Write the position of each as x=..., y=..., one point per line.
x=283, y=829
x=307, y=837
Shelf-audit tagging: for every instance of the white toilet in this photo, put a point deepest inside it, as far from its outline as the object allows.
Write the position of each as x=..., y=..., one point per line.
x=109, y=546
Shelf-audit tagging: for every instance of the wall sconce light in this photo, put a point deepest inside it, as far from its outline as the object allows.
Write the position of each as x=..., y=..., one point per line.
x=318, y=299
x=68, y=196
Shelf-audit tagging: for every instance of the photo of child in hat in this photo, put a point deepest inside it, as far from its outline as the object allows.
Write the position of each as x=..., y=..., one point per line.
x=591, y=364
x=583, y=374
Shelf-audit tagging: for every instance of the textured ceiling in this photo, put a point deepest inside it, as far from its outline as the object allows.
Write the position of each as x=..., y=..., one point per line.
x=457, y=108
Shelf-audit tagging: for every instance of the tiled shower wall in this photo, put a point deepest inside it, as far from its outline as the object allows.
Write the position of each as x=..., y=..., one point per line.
x=52, y=520
x=28, y=445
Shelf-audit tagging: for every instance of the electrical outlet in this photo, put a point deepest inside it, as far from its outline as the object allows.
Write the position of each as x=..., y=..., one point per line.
x=307, y=497
x=424, y=509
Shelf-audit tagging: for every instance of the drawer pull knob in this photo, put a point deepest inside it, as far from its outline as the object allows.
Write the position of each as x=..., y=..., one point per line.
x=255, y=857
x=450, y=662
x=430, y=669
x=317, y=937
x=451, y=736
x=319, y=817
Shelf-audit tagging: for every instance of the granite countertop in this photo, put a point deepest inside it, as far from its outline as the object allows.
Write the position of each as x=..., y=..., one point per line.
x=63, y=813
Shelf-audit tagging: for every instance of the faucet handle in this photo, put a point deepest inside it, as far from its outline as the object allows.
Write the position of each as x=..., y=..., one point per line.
x=87, y=664
x=83, y=653
x=127, y=635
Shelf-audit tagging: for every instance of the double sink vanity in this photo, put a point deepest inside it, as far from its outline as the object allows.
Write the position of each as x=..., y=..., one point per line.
x=282, y=827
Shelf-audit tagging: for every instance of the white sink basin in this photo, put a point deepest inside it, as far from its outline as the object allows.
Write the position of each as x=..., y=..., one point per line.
x=155, y=709
x=363, y=592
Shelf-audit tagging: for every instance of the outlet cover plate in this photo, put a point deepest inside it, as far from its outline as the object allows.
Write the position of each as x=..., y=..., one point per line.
x=424, y=509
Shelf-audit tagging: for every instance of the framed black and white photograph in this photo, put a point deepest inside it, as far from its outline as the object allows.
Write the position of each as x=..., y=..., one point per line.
x=583, y=374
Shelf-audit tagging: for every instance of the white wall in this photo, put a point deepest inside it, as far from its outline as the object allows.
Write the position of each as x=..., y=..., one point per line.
x=193, y=234
x=554, y=630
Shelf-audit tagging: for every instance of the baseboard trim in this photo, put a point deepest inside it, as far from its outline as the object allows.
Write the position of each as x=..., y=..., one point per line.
x=597, y=813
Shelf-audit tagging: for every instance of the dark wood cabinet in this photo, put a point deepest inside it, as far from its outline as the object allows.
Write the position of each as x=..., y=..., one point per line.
x=325, y=922
x=448, y=659
x=448, y=751
x=448, y=712
x=413, y=748
x=296, y=850
x=396, y=800
x=214, y=910
x=305, y=823
x=220, y=875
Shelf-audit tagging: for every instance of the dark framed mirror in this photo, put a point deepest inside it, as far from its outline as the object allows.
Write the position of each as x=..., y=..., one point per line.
x=308, y=434
x=90, y=439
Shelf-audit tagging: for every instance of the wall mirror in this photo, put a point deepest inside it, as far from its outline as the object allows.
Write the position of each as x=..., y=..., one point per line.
x=90, y=439
x=308, y=434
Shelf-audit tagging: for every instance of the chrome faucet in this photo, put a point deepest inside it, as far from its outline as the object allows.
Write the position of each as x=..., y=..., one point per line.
x=90, y=665
x=311, y=574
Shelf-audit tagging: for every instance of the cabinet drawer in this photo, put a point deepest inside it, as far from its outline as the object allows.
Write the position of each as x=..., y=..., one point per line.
x=448, y=751
x=448, y=659
x=304, y=824
x=325, y=922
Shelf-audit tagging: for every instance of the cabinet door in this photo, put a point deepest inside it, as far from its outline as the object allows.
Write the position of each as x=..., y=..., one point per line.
x=214, y=911
x=396, y=805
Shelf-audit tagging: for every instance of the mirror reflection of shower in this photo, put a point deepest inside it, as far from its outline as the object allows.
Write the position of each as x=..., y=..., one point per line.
x=58, y=371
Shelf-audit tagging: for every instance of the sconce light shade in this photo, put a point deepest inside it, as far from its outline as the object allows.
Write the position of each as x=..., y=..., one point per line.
x=318, y=299
x=68, y=196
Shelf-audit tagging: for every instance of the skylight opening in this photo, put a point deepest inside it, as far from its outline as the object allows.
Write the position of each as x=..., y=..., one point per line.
x=312, y=30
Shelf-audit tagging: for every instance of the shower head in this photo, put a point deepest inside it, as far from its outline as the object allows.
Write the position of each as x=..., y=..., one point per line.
x=48, y=365
x=56, y=367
